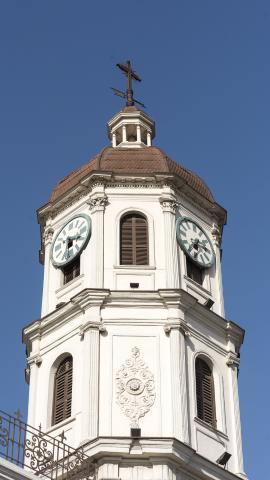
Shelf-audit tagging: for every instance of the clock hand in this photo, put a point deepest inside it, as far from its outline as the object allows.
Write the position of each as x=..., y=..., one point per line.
x=204, y=247
x=196, y=244
x=75, y=237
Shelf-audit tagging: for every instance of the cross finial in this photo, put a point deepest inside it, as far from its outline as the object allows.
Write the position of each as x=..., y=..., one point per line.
x=131, y=75
x=62, y=436
x=18, y=414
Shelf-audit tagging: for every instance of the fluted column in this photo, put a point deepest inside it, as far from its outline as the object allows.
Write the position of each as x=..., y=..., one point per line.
x=179, y=381
x=233, y=364
x=47, y=239
x=97, y=204
x=169, y=207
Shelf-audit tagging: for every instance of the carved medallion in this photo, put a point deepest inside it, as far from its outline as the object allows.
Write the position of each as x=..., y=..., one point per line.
x=135, y=388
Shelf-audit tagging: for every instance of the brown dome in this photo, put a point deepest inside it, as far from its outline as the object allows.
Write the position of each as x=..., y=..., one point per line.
x=137, y=161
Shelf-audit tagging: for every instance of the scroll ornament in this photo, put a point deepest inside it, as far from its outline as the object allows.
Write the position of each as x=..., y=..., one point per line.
x=135, y=388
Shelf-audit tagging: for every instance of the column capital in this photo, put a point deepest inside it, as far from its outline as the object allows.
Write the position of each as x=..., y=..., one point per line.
x=34, y=360
x=91, y=326
x=168, y=204
x=48, y=235
x=180, y=326
x=97, y=202
x=216, y=234
x=233, y=360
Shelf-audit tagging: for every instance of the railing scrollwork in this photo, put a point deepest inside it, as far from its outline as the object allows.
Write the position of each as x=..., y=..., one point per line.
x=46, y=456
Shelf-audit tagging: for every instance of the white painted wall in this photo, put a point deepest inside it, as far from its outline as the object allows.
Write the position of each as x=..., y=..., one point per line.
x=114, y=319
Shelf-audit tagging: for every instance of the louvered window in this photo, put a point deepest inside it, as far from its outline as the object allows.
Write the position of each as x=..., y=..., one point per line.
x=62, y=391
x=194, y=272
x=205, y=392
x=134, y=240
x=72, y=270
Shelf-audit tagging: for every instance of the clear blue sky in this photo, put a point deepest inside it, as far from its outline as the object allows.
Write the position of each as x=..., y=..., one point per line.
x=206, y=82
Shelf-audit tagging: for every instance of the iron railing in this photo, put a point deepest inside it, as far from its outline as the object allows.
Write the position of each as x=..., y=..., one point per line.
x=43, y=454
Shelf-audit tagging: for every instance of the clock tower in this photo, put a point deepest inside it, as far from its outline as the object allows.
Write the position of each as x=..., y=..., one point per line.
x=133, y=357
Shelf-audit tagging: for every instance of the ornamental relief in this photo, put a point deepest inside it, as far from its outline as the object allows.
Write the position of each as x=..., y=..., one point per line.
x=135, y=388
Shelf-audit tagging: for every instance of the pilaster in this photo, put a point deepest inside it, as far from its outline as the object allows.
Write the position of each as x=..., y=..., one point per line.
x=90, y=382
x=33, y=364
x=47, y=238
x=169, y=206
x=216, y=236
x=97, y=203
x=233, y=364
x=179, y=381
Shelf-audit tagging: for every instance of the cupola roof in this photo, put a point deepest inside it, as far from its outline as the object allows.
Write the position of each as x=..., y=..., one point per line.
x=140, y=161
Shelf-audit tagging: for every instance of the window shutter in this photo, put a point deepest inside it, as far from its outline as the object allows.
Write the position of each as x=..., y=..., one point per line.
x=194, y=272
x=72, y=270
x=134, y=240
x=62, y=391
x=126, y=241
x=205, y=392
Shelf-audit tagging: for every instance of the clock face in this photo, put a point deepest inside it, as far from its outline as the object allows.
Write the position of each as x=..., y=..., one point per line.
x=71, y=240
x=195, y=242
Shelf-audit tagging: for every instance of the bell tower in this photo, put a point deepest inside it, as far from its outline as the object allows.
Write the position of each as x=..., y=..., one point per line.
x=133, y=357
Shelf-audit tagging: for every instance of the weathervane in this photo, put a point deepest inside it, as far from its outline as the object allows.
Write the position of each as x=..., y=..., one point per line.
x=131, y=75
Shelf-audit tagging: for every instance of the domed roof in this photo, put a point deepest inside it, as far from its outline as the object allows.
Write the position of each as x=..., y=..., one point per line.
x=136, y=161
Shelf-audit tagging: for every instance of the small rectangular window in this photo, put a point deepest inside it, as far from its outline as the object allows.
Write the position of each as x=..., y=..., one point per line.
x=72, y=270
x=194, y=272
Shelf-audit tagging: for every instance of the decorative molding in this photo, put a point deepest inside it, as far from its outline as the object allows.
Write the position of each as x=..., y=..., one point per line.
x=135, y=388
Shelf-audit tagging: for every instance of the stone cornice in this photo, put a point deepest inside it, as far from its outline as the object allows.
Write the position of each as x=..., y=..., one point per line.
x=181, y=307
x=183, y=457
x=82, y=189
x=77, y=305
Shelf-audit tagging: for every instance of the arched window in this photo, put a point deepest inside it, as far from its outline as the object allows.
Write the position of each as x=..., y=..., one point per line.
x=62, y=391
x=134, y=240
x=205, y=392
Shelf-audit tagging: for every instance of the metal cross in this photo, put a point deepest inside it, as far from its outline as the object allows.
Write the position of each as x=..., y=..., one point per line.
x=131, y=75
x=62, y=436
x=18, y=414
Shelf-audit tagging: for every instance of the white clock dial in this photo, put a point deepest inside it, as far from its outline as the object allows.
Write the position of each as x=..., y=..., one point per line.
x=71, y=240
x=195, y=242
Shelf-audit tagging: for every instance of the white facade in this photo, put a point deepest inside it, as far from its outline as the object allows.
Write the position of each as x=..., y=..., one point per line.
x=102, y=321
